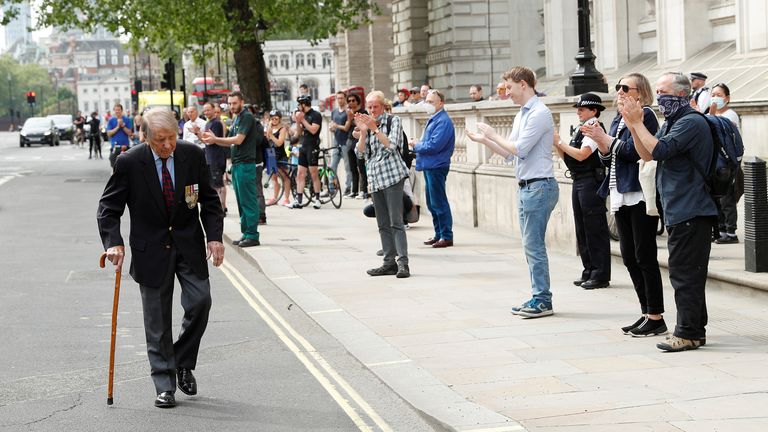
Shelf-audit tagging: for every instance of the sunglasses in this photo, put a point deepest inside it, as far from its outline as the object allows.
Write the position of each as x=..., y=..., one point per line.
x=352, y=100
x=625, y=88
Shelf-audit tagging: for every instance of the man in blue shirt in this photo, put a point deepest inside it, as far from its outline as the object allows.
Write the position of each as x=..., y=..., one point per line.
x=434, y=160
x=689, y=211
x=530, y=145
x=119, y=131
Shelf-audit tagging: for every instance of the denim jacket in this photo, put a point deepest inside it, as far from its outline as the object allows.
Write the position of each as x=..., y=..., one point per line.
x=627, y=168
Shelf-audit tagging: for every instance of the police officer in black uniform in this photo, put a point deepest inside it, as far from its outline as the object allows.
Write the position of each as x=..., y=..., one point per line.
x=589, y=211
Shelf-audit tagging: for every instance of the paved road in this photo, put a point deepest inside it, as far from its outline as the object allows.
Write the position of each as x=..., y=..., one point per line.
x=264, y=365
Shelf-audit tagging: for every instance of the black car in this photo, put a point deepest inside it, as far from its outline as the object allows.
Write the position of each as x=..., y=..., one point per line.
x=65, y=124
x=39, y=130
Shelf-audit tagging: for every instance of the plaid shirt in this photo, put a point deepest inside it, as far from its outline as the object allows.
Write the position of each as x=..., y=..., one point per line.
x=385, y=166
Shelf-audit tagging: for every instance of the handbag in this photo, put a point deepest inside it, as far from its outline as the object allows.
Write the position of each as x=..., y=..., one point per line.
x=270, y=160
x=647, y=177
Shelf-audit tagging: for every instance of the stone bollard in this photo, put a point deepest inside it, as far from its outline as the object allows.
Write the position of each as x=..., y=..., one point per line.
x=755, y=215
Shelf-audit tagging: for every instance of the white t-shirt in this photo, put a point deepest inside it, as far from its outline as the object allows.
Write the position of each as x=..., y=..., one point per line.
x=189, y=136
x=732, y=116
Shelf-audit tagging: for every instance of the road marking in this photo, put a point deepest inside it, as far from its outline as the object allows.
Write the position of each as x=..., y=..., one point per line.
x=387, y=363
x=5, y=179
x=497, y=429
x=291, y=338
x=325, y=311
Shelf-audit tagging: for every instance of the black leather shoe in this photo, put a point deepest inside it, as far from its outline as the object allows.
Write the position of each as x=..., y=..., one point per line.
x=578, y=282
x=430, y=241
x=594, y=283
x=403, y=271
x=186, y=381
x=385, y=270
x=249, y=242
x=380, y=252
x=165, y=400
x=237, y=242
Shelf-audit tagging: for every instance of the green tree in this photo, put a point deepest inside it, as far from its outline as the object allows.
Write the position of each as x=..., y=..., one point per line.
x=171, y=26
x=24, y=78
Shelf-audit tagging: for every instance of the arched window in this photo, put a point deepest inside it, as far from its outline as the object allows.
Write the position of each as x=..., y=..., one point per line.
x=326, y=60
x=299, y=61
x=311, y=62
x=272, y=61
x=284, y=61
x=312, y=85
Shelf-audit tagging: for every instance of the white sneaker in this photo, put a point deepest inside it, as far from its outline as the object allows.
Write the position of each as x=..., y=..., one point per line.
x=316, y=204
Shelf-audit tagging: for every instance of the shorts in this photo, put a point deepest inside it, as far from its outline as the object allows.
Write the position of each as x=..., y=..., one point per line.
x=217, y=175
x=309, y=155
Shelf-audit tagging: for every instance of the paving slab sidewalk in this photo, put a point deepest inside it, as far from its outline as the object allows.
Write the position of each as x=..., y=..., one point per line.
x=445, y=341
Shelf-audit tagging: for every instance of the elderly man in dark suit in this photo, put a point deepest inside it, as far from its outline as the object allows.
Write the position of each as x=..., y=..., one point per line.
x=162, y=181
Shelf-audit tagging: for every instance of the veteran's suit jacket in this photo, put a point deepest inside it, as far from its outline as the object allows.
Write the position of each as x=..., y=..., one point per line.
x=135, y=182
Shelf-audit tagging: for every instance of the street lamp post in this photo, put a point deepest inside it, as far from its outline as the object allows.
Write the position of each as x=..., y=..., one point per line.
x=586, y=77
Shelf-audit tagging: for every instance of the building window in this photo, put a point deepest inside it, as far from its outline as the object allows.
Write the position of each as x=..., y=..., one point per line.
x=113, y=51
x=125, y=88
x=102, y=52
x=106, y=105
x=272, y=61
x=85, y=106
x=102, y=60
x=126, y=60
x=85, y=91
x=311, y=62
x=284, y=61
x=299, y=60
x=114, y=60
x=326, y=60
x=117, y=89
x=313, y=90
x=106, y=89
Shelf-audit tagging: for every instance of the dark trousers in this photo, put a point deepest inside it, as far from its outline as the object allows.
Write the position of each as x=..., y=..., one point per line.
x=437, y=202
x=728, y=215
x=354, y=172
x=388, y=205
x=165, y=356
x=689, y=246
x=591, y=229
x=637, y=241
x=94, y=145
x=359, y=176
x=260, y=193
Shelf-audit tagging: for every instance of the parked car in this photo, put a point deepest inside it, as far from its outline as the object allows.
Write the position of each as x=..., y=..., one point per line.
x=64, y=122
x=39, y=130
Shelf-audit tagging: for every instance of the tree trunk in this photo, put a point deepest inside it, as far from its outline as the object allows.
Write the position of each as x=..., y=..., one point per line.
x=252, y=73
x=249, y=58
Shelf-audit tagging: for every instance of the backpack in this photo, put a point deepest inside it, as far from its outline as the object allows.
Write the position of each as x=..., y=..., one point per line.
x=727, y=152
x=405, y=150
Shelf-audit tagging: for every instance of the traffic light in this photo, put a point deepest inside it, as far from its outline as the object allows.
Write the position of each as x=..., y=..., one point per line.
x=135, y=99
x=137, y=84
x=31, y=97
x=169, y=76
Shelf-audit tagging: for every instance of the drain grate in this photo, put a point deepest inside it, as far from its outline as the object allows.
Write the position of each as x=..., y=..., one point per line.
x=755, y=329
x=334, y=238
x=84, y=180
x=289, y=240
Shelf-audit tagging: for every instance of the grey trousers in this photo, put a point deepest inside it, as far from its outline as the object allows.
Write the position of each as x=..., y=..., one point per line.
x=388, y=204
x=157, y=302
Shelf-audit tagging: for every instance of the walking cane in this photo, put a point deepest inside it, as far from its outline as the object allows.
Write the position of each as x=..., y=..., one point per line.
x=114, y=329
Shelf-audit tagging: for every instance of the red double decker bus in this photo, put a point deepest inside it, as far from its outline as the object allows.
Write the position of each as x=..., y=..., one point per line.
x=208, y=89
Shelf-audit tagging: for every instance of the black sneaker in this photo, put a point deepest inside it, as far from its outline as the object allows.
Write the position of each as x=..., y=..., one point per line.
x=403, y=271
x=633, y=326
x=649, y=327
x=385, y=270
x=249, y=242
x=728, y=239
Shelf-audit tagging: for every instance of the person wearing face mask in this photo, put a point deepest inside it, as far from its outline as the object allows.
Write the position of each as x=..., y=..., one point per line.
x=727, y=213
x=689, y=211
x=433, y=152
x=380, y=140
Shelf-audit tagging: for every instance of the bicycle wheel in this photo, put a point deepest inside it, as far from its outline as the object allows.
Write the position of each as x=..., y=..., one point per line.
x=331, y=183
x=270, y=191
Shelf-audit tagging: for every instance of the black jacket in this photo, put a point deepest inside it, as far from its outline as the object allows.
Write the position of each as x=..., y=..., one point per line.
x=135, y=182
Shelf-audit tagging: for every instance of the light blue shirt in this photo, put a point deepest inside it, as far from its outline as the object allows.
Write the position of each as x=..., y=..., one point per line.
x=159, y=167
x=532, y=133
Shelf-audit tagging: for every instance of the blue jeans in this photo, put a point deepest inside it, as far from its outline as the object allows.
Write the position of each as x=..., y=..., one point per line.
x=437, y=202
x=535, y=204
x=338, y=154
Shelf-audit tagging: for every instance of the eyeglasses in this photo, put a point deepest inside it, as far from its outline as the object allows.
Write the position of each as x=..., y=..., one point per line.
x=352, y=100
x=625, y=88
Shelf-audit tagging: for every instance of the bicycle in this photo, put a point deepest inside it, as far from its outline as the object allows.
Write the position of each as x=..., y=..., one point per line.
x=330, y=189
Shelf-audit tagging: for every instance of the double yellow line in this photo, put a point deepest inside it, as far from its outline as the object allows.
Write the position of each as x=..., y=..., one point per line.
x=336, y=386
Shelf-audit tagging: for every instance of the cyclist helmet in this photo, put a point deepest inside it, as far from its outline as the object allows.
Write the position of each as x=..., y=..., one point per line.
x=304, y=100
x=275, y=113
